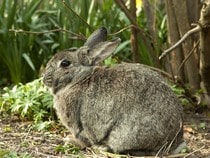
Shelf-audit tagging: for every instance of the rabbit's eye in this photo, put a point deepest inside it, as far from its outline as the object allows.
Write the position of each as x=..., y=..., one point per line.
x=65, y=63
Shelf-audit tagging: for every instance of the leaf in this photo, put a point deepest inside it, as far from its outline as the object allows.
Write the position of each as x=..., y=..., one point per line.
x=31, y=9
x=28, y=60
x=54, y=46
x=122, y=46
x=11, y=14
x=3, y=153
x=189, y=130
x=202, y=125
x=42, y=125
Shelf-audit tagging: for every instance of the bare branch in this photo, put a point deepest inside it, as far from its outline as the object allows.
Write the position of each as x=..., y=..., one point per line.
x=122, y=6
x=83, y=20
x=191, y=52
x=76, y=36
x=123, y=29
x=186, y=35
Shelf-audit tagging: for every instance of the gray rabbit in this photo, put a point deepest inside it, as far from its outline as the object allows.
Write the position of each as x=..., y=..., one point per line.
x=126, y=108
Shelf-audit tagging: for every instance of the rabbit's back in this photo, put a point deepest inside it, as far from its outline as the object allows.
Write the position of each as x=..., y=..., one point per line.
x=125, y=107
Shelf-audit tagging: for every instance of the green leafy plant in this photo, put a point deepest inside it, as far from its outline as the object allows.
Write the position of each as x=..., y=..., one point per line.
x=32, y=101
x=3, y=152
x=180, y=92
x=13, y=154
x=67, y=149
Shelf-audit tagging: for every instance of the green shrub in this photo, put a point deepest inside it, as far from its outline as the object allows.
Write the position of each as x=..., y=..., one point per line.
x=32, y=101
x=181, y=94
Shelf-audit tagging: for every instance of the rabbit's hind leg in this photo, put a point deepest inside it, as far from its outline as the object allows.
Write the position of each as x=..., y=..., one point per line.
x=101, y=147
x=138, y=152
x=70, y=139
x=106, y=148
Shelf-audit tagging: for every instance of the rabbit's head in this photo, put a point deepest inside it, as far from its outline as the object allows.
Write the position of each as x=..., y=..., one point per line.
x=73, y=65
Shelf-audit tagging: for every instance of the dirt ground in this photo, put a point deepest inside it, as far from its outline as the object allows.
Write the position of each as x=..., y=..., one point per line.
x=18, y=138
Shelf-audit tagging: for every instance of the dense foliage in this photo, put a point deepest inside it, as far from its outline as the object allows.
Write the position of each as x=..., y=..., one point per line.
x=31, y=101
x=31, y=31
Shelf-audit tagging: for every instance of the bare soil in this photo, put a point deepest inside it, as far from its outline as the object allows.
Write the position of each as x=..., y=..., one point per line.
x=20, y=138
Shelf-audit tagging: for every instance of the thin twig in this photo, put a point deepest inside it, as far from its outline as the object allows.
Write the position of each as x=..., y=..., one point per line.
x=37, y=32
x=194, y=152
x=79, y=36
x=177, y=133
x=82, y=19
x=134, y=24
x=123, y=29
x=161, y=149
x=186, y=35
x=162, y=72
x=38, y=153
x=176, y=156
x=129, y=27
x=123, y=7
x=26, y=137
x=188, y=55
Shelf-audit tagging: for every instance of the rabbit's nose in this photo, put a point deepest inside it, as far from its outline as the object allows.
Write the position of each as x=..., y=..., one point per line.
x=47, y=80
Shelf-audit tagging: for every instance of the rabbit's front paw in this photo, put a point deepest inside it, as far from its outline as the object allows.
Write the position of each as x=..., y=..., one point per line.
x=101, y=147
x=70, y=139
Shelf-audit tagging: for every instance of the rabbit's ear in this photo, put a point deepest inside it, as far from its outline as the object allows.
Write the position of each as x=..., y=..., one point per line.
x=103, y=50
x=96, y=37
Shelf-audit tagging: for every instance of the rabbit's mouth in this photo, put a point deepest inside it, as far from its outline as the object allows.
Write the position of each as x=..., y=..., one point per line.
x=47, y=79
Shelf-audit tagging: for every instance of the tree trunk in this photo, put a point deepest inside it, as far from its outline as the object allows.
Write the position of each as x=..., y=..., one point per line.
x=178, y=20
x=194, y=15
x=150, y=13
x=205, y=46
x=177, y=56
x=192, y=68
x=134, y=34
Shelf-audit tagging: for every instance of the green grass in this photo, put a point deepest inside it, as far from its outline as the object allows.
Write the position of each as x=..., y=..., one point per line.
x=12, y=154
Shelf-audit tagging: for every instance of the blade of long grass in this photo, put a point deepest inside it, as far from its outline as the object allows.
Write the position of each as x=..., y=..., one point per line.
x=81, y=18
x=31, y=9
x=2, y=8
x=11, y=14
x=28, y=60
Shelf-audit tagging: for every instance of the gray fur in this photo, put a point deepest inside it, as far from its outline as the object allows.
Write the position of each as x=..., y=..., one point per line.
x=126, y=108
